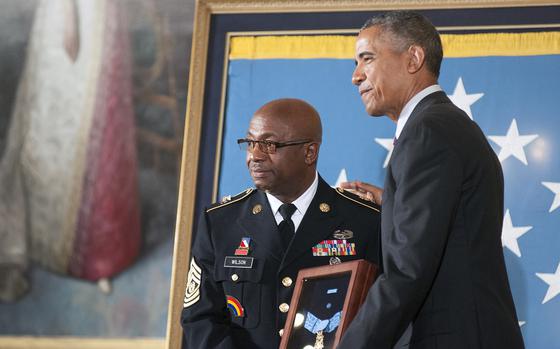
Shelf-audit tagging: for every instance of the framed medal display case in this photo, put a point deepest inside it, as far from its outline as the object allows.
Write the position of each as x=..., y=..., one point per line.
x=324, y=302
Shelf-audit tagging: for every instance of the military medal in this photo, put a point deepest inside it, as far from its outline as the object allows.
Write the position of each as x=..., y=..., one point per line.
x=319, y=341
x=319, y=327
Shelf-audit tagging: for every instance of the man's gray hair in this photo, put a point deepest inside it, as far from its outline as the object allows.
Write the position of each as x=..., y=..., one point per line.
x=411, y=28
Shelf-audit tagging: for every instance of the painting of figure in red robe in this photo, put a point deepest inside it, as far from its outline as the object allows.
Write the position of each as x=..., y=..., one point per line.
x=90, y=138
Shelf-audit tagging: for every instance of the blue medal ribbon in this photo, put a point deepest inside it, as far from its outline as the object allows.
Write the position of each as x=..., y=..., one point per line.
x=313, y=324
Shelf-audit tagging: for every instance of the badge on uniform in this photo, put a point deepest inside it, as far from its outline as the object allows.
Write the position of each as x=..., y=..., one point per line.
x=192, y=292
x=244, y=246
x=334, y=248
x=334, y=261
x=343, y=234
x=234, y=306
x=239, y=261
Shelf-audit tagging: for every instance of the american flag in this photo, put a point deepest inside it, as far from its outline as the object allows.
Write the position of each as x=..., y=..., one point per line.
x=515, y=100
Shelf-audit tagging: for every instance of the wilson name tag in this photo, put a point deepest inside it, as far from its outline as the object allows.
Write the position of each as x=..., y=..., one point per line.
x=238, y=262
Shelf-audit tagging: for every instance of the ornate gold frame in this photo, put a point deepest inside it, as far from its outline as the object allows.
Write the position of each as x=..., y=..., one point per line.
x=204, y=9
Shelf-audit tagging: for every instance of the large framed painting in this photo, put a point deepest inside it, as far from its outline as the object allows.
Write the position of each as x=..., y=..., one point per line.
x=92, y=104
x=501, y=65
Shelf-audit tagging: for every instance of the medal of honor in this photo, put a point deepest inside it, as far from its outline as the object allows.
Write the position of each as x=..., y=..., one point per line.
x=319, y=327
x=319, y=341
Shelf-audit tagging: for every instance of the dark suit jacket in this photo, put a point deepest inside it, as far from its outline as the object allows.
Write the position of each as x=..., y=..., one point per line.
x=206, y=320
x=444, y=268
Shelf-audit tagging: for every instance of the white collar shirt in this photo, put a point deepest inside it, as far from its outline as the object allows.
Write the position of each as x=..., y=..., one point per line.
x=302, y=204
x=411, y=104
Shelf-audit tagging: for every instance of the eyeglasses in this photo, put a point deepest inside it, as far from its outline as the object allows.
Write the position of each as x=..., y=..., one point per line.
x=268, y=147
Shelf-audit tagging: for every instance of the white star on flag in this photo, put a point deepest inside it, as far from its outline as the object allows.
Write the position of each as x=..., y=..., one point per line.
x=555, y=188
x=386, y=143
x=553, y=281
x=342, y=177
x=521, y=323
x=510, y=234
x=463, y=100
x=512, y=143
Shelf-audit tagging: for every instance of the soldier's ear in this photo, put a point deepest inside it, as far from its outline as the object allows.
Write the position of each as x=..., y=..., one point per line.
x=311, y=153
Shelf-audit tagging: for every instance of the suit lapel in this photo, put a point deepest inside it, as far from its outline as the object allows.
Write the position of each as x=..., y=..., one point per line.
x=261, y=226
x=316, y=224
x=436, y=97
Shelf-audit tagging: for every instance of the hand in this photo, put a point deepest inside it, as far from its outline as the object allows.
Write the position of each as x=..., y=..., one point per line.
x=364, y=190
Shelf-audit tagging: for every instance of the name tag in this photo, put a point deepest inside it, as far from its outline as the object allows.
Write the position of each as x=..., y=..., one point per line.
x=238, y=262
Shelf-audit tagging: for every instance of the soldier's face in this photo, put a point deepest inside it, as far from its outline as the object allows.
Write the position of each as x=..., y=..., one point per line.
x=279, y=173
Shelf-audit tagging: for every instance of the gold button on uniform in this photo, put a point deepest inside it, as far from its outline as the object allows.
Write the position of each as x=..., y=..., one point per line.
x=284, y=307
x=281, y=332
x=235, y=277
x=287, y=281
x=324, y=207
x=257, y=209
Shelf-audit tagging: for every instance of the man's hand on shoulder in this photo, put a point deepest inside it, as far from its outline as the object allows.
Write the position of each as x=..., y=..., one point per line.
x=364, y=190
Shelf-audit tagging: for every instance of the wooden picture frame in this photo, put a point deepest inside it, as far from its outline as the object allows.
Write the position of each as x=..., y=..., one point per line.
x=215, y=23
x=346, y=284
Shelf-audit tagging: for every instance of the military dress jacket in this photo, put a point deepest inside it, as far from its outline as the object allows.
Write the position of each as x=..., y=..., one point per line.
x=241, y=281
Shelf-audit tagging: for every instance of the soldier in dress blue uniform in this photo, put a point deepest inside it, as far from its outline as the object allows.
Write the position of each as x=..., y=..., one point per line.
x=246, y=255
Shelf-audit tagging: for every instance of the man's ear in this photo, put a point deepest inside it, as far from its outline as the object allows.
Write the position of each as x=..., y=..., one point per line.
x=417, y=57
x=312, y=153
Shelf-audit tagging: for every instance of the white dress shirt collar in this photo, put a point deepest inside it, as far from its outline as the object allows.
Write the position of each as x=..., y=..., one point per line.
x=302, y=203
x=411, y=104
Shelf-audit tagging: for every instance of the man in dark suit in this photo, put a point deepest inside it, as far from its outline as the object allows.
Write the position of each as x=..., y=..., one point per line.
x=249, y=248
x=444, y=271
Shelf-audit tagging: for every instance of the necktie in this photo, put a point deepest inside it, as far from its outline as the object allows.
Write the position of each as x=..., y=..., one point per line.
x=287, y=227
